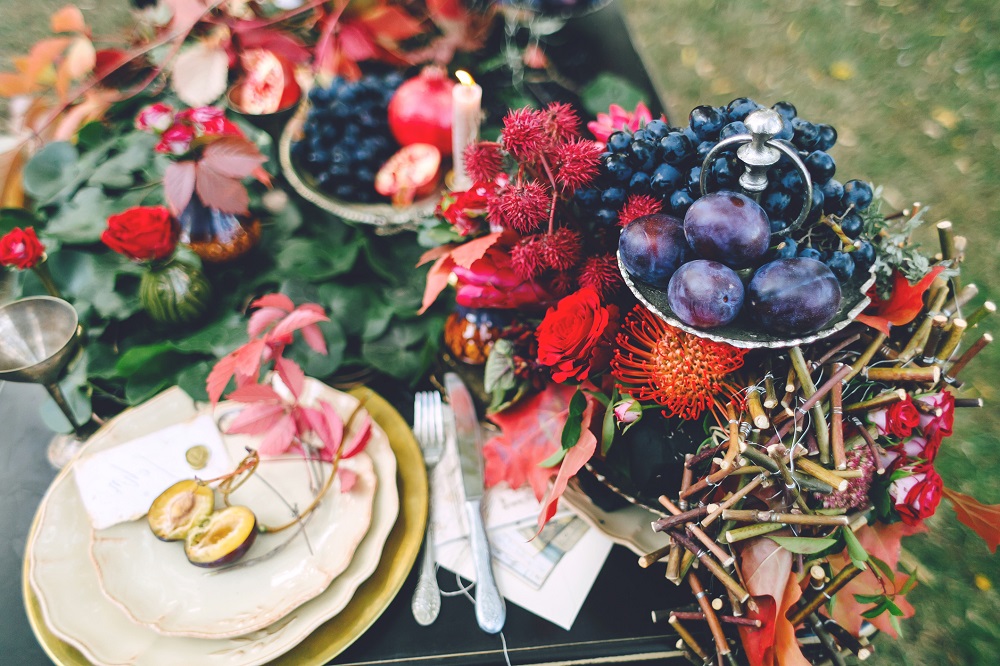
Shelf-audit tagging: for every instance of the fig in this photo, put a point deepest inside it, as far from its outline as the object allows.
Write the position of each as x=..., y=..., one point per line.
x=179, y=508
x=223, y=537
x=410, y=174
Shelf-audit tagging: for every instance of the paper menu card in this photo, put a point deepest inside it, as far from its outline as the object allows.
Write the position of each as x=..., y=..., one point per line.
x=118, y=484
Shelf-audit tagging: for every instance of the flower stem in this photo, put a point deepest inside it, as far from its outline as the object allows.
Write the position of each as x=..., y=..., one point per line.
x=42, y=271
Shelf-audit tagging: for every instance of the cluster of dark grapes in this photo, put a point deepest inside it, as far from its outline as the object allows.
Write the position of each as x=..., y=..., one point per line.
x=346, y=136
x=555, y=6
x=666, y=163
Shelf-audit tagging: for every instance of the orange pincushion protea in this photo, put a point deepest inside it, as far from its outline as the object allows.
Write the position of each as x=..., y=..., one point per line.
x=682, y=372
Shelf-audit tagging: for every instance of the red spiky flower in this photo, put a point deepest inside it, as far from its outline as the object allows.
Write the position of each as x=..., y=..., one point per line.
x=562, y=249
x=638, y=205
x=527, y=258
x=522, y=207
x=483, y=161
x=602, y=274
x=562, y=121
x=578, y=162
x=682, y=372
x=524, y=134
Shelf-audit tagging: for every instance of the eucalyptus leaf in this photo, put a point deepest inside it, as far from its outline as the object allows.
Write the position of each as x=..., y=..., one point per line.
x=857, y=553
x=137, y=359
x=217, y=338
x=192, y=380
x=319, y=365
x=119, y=170
x=606, y=89
x=157, y=373
x=90, y=281
x=50, y=170
x=498, y=374
x=84, y=218
x=802, y=545
x=16, y=217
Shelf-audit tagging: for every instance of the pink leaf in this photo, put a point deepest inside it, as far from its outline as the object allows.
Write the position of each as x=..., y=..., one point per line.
x=255, y=393
x=248, y=360
x=256, y=419
x=983, y=519
x=200, y=74
x=575, y=459
x=279, y=438
x=232, y=157
x=220, y=191
x=314, y=338
x=275, y=300
x=360, y=439
x=434, y=253
x=262, y=318
x=348, y=479
x=178, y=184
x=327, y=424
x=297, y=319
x=291, y=375
x=437, y=280
x=219, y=377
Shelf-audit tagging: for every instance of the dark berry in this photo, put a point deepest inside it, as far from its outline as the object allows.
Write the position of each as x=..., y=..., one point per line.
x=588, y=198
x=642, y=153
x=704, y=148
x=809, y=253
x=676, y=148
x=805, y=134
x=613, y=197
x=680, y=201
x=694, y=181
x=864, y=256
x=852, y=224
x=786, y=110
x=821, y=166
x=776, y=203
x=816, y=210
x=740, y=108
x=619, y=142
x=841, y=265
x=827, y=137
x=607, y=217
x=706, y=122
x=618, y=167
x=786, y=249
x=656, y=130
x=832, y=192
x=791, y=182
x=665, y=180
x=639, y=184
x=733, y=128
x=857, y=193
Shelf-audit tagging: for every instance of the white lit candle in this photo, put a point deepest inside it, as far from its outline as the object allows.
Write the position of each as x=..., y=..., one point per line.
x=467, y=101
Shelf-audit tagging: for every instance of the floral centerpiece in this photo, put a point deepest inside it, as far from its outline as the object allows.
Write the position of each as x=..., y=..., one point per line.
x=819, y=456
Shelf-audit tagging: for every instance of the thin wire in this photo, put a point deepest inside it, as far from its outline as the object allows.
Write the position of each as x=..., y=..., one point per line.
x=464, y=591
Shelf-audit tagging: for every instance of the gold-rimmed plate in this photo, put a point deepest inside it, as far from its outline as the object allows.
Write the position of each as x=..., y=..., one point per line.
x=289, y=641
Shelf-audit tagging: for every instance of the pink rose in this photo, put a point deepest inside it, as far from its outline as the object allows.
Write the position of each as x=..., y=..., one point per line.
x=916, y=495
x=627, y=412
x=920, y=448
x=937, y=427
x=898, y=420
x=155, y=117
x=176, y=140
x=209, y=121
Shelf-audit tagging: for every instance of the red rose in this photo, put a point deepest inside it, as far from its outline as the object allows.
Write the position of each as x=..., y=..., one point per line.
x=176, y=140
x=898, y=420
x=21, y=248
x=575, y=337
x=468, y=209
x=917, y=494
x=143, y=233
x=938, y=426
x=209, y=121
x=155, y=117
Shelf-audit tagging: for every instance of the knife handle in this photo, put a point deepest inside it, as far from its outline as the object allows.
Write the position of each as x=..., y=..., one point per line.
x=491, y=612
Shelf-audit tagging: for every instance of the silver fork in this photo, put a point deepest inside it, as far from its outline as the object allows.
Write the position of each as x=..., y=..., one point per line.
x=428, y=426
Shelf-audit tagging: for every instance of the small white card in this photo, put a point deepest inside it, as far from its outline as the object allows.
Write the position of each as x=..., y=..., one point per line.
x=119, y=484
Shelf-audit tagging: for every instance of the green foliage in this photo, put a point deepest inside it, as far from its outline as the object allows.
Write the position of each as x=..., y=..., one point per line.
x=606, y=89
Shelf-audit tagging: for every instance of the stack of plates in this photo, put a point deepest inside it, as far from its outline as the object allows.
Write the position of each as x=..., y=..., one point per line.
x=120, y=596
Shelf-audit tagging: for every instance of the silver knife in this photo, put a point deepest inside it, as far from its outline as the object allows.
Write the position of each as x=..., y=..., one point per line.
x=491, y=612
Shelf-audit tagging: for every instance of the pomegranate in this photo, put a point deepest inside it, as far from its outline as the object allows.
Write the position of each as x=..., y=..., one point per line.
x=410, y=174
x=420, y=110
x=268, y=86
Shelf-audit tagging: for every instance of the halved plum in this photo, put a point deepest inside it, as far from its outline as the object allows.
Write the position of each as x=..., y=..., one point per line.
x=179, y=508
x=224, y=537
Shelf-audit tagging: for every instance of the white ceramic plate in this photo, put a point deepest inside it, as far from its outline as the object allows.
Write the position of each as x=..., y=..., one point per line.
x=74, y=608
x=184, y=600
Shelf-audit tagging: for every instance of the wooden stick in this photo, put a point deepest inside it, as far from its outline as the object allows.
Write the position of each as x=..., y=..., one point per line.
x=686, y=477
x=951, y=341
x=866, y=356
x=770, y=398
x=873, y=447
x=968, y=402
x=846, y=640
x=754, y=516
x=823, y=474
x=703, y=455
x=984, y=311
x=733, y=499
x=721, y=645
x=734, y=435
x=806, y=482
x=757, y=414
x=843, y=577
x=938, y=323
x=714, y=567
x=960, y=300
x=809, y=389
x=952, y=375
x=679, y=518
x=724, y=557
x=790, y=484
x=840, y=346
x=750, y=531
x=929, y=375
x=881, y=401
x=947, y=238
x=826, y=640
x=696, y=616
x=837, y=426
x=713, y=479
x=649, y=559
x=934, y=305
x=687, y=637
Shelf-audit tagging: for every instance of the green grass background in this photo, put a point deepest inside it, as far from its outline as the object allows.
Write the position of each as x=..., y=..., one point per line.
x=913, y=88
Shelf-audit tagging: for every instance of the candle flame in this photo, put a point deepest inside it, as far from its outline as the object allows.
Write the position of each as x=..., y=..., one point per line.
x=465, y=78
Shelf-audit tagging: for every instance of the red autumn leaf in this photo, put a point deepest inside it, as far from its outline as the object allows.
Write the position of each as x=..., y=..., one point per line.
x=280, y=43
x=314, y=338
x=983, y=519
x=847, y=609
x=279, y=438
x=232, y=157
x=218, y=378
x=253, y=393
x=178, y=184
x=297, y=319
x=248, y=361
x=884, y=541
x=219, y=191
x=262, y=318
x=360, y=439
x=758, y=644
x=291, y=375
x=256, y=419
x=530, y=432
x=276, y=300
x=786, y=648
x=437, y=280
x=389, y=22
x=575, y=459
x=468, y=253
x=904, y=304
x=434, y=253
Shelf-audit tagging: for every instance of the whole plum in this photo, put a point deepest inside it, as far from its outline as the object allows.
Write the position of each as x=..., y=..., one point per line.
x=652, y=247
x=794, y=296
x=728, y=227
x=705, y=294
